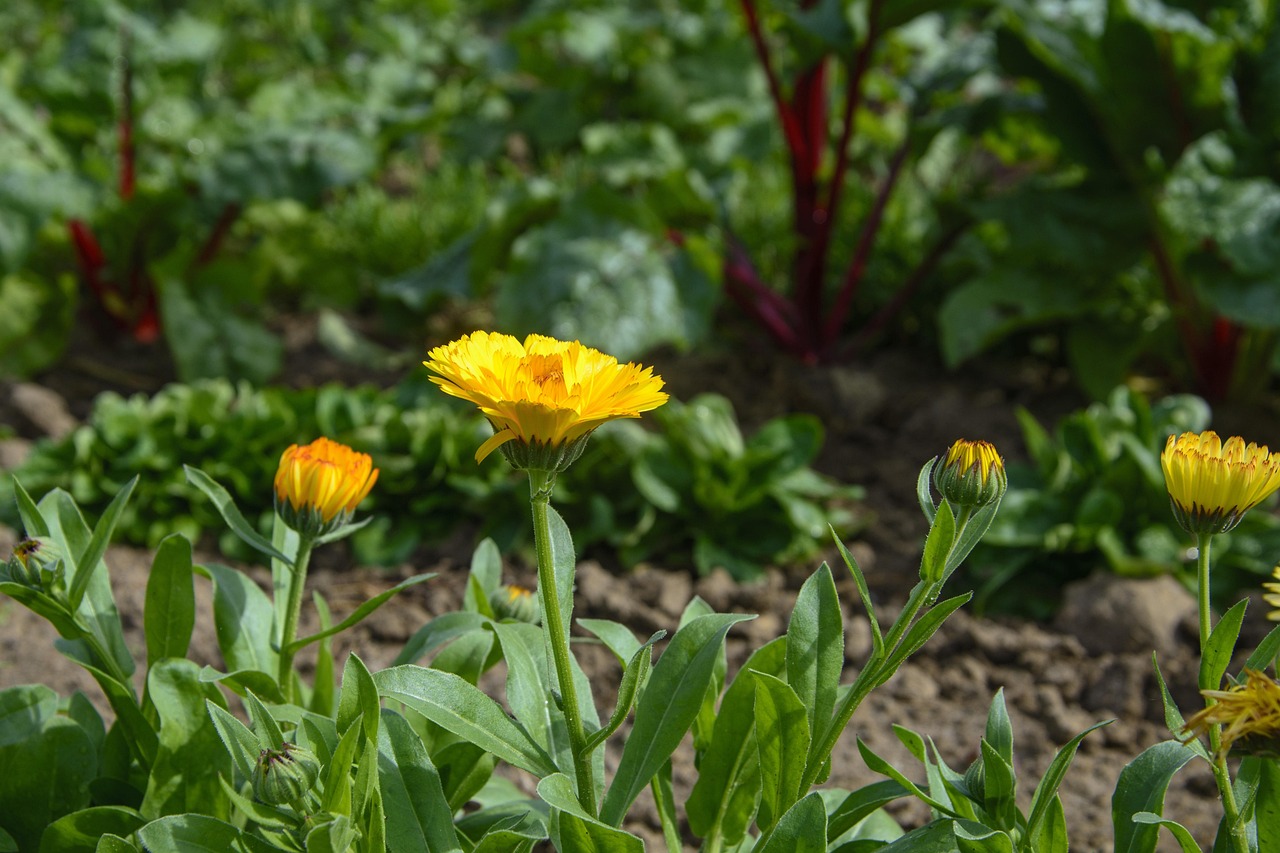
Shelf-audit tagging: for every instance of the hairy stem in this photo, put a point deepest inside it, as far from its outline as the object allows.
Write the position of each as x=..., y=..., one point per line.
x=289, y=632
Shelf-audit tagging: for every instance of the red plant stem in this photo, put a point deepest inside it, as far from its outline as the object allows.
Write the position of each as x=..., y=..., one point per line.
x=1183, y=303
x=213, y=245
x=909, y=287
x=88, y=255
x=866, y=239
x=790, y=127
x=754, y=296
x=128, y=152
x=809, y=219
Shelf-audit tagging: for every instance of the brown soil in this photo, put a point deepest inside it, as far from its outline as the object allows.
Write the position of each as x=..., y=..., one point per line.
x=884, y=419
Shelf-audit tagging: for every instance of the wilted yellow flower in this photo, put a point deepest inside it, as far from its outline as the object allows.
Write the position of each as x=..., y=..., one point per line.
x=1212, y=485
x=1249, y=714
x=542, y=395
x=318, y=485
x=971, y=474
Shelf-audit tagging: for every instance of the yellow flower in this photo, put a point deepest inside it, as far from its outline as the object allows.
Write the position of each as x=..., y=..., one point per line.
x=971, y=474
x=1273, y=596
x=543, y=395
x=1212, y=485
x=1249, y=714
x=319, y=485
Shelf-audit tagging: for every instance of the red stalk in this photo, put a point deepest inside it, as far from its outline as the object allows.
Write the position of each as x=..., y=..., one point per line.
x=790, y=127
x=128, y=152
x=213, y=245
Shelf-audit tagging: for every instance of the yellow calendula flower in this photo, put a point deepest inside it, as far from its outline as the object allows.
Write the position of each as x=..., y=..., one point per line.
x=318, y=485
x=543, y=396
x=1249, y=714
x=971, y=474
x=1211, y=484
x=1272, y=595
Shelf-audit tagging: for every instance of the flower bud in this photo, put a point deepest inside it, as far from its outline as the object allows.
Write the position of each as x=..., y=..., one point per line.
x=515, y=603
x=37, y=563
x=971, y=474
x=975, y=780
x=282, y=776
x=318, y=486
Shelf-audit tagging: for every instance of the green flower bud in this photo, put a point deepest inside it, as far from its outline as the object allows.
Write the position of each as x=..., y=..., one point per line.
x=515, y=603
x=282, y=776
x=37, y=563
x=971, y=474
x=975, y=780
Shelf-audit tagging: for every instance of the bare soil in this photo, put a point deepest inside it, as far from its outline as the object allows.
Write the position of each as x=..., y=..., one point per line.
x=885, y=418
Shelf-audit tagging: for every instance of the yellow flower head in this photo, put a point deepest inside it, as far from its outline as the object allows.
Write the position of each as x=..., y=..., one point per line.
x=1249, y=714
x=971, y=474
x=1272, y=596
x=1212, y=485
x=542, y=394
x=319, y=485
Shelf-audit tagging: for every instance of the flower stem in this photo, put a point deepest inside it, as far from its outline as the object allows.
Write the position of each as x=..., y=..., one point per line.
x=1236, y=830
x=297, y=581
x=540, y=483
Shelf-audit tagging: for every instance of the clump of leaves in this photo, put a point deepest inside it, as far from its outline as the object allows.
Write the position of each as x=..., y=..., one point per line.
x=740, y=502
x=1093, y=496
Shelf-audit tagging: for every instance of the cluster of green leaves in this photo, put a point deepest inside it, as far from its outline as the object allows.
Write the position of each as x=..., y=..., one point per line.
x=1147, y=231
x=1093, y=496
x=692, y=484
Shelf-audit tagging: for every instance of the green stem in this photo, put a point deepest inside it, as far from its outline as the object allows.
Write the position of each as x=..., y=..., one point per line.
x=297, y=581
x=540, y=483
x=1221, y=775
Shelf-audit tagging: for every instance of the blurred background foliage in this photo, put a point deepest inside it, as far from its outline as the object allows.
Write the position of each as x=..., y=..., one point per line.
x=1095, y=183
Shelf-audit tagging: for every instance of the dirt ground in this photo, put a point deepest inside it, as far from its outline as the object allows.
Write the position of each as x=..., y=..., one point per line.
x=885, y=418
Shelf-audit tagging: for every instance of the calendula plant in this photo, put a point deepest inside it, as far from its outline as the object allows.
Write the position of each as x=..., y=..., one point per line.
x=404, y=758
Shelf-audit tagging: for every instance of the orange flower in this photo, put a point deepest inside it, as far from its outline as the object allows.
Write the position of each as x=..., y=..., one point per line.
x=1211, y=484
x=319, y=485
x=542, y=394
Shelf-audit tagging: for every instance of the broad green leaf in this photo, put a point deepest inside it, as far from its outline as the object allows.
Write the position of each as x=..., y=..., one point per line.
x=194, y=833
x=967, y=539
x=190, y=757
x=80, y=831
x=1216, y=656
x=1000, y=788
x=207, y=337
x=324, y=680
x=725, y=795
x=664, y=801
x=334, y=836
x=418, y=816
x=46, y=776
x=574, y=829
x=170, y=614
x=677, y=688
x=1173, y=718
x=24, y=710
x=1265, y=654
x=999, y=731
x=244, y=681
x=529, y=690
x=337, y=775
x=972, y=837
x=1186, y=842
x=1141, y=788
x=617, y=637
x=358, y=700
x=876, y=764
x=265, y=726
x=857, y=805
x=32, y=521
x=436, y=633
x=635, y=673
x=240, y=741
x=110, y=843
x=242, y=617
x=226, y=507
x=1052, y=835
x=782, y=742
x=919, y=633
x=815, y=647
x=564, y=564
x=924, y=490
x=464, y=770
x=803, y=829
x=287, y=541
x=486, y=576
x=456, y=705
x=938, y=544
x=877, y=640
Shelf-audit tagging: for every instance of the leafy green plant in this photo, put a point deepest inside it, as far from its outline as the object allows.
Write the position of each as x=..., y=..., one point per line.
x=701, y=484
x=1147, y=231
x=1093, y=496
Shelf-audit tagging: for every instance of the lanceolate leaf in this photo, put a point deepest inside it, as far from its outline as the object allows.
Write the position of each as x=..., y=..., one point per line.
x=815, y=647
x=170, y=614
x=1141, y=788
x=226, y=506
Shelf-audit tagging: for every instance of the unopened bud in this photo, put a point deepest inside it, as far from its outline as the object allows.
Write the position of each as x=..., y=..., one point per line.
x=37, y=563
x=971, y=474
x=515, y=603
x=282, y=776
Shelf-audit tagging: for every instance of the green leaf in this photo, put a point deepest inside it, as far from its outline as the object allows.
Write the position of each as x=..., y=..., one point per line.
x=937, y=545
x=486, y=572
x=876, y=764
x=972, y=534
x=207, y=338
x=860, y=804
x=337, y=775
x=782, y=741
x=803, y=829
x=193, y=833
x=1045, y=798
x=529, y=690
x=677, y=688
x=360, y=612
x=242, y=616
x=999, y=731
x=919, y=634
x=1141, y=788
x=458, y=706
x=574, y=829
x=1267, y=805
x=32, y=521
x=190, y=756
x=1052, y=835
x=418, y=815
x=358, y=699
x=89, y=559
x=1000, y=788
x=464, y=771
x=322, y=694
x=114, y=844
x=240, y=741
x=244, y=681
x=636, y=672
x=334, y=836
x=226, y=507
x=46, y=776
x=1216, y=656
x=815, y=647
x=618, y=638
x=80, y=831
x=1180, y=834
x=1173, y=718
x=1265, y=654
x=437, y=632
x=924, y=490
x=170, y=610
x=24, y=710
x=877, y=640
